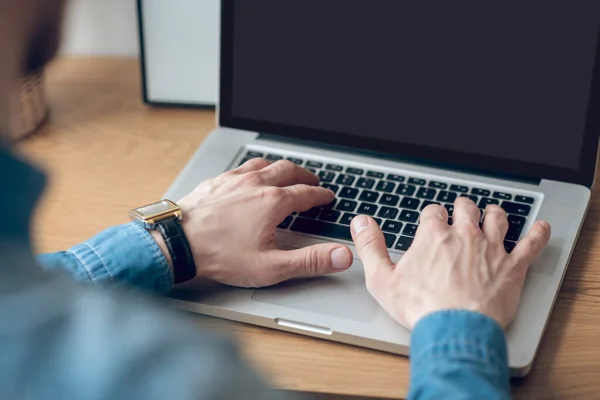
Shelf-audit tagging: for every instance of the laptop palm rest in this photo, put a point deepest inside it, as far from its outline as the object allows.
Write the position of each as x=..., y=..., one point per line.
x=341, y=295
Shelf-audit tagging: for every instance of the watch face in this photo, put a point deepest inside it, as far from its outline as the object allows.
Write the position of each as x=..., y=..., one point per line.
x=156, y=208
x=152, y=213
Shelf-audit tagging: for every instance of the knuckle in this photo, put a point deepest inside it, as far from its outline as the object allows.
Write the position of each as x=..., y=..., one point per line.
x=311, y=261
x=252, y=178
x=284, y=164
x=273, y=194
x=367, y=240
x=471, y=230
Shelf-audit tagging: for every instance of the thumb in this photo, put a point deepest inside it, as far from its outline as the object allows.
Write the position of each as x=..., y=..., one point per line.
x=370, y=245
x=319, y=259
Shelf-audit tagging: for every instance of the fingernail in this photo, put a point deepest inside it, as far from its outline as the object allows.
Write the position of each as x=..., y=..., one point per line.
x=340, y=259
x=359, y=224
x=544, y=224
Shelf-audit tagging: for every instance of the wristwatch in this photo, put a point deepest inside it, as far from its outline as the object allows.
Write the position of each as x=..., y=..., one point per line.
x=165, y=216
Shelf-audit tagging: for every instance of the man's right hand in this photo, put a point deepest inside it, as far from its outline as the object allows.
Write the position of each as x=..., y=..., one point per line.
x=450, y=267
x=230, y=222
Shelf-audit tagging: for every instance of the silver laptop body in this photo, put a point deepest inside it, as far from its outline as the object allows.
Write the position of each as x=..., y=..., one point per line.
x=338, y=307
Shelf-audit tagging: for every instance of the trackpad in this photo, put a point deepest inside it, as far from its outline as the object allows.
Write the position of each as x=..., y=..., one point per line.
x=342, y=295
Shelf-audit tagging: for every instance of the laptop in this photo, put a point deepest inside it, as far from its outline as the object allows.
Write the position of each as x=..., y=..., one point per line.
x=397, y=105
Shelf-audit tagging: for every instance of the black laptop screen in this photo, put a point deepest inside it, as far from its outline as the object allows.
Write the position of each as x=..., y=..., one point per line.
x=491, y=85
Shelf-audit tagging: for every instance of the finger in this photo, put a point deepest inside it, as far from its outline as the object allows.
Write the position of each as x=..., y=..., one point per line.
x=286, y=173
x=303, y=197
x=371, y=248
x=434, y=214
x=465, y=213
x=530, y=247
x=254, y=164
x=320, y=259
x=495, y=224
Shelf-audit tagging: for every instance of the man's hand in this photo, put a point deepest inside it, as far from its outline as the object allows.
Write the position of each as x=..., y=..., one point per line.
x=230, y=223
x=450, y=267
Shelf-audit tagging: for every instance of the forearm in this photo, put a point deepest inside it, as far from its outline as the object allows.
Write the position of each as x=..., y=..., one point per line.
x=458, y=354
x=122, y=255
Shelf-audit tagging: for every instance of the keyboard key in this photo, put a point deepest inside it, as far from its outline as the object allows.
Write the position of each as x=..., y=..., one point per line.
x=367, y=208
x=409, y=216
x=391, y=226
x=515, y=208
x=330, y=205
x=347, y=205
x=365, y=183
x=459, y=188
x=326, y=176
x=389, y=240
x=314, y=171
x=329, y=215
x=384, y=186
x=321, y=228
x=426, y=193
x=345, y=180
x=403, y=243
x=486, y=200
x=312, y=213
x=314, y=164
x=437, y=185
x=449, y=220
x=474, y=199
x=333, y=167
x=378, y=220
x=427, y=203
x=347, y=218
x=273, y=157
x=509, y=246
x=524, y=199
x=416, y=181
x=296, y=161
x=480, y=192
x=333, y=188
x=514, y=233
x=388, y=213
x=389, y=200
x=410, y=230
x=450, y=208
x=502, y=195
x=354, y=171
x=286, y=222
x=515, y=220
x=374, y=174
x=395, y=178
x=369, y=196
x=348, y=193
x=254, y=154
x=446, y=197
x=410, y=203
x=406, y=190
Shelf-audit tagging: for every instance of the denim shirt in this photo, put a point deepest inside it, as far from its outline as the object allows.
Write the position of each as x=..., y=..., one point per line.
x=99, y=339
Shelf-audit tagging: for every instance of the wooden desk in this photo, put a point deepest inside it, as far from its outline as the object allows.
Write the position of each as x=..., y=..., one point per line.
x=106, y=153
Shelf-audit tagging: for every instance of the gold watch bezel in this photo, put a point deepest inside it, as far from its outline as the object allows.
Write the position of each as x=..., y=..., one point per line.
x=151, y=219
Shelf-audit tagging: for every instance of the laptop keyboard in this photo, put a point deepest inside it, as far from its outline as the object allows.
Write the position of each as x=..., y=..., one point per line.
x=395, y=201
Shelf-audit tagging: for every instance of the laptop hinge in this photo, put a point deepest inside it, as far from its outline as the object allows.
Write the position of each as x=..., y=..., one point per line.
x=395, y=157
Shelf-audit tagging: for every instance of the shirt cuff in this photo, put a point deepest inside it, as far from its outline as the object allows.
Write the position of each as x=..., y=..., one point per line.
x=459, y=334
x=125, y=254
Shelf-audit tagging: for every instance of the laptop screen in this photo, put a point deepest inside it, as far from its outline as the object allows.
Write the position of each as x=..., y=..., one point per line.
x=494, y=86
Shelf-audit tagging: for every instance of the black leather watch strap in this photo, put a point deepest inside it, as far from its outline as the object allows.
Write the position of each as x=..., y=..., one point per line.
x=184, y=267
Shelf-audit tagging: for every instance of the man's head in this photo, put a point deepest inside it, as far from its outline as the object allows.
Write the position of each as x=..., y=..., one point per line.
x=29, y=38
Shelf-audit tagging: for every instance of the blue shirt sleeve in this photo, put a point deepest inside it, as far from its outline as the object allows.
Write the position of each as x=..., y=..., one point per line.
x=458, y=355
x=121, y=255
